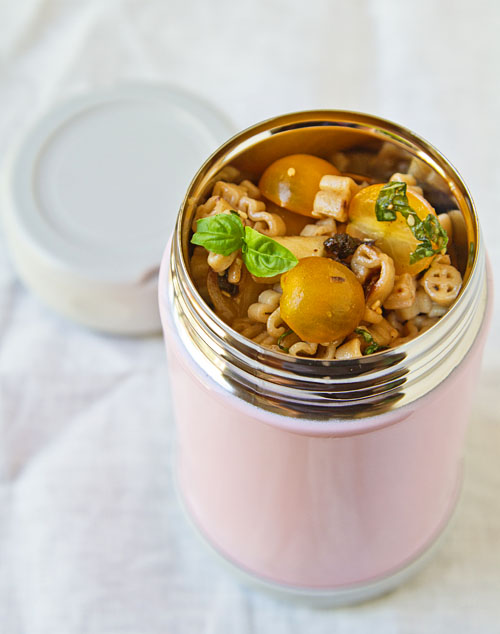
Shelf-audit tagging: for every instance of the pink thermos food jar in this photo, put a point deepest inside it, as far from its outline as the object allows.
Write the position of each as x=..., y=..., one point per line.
x=329, y=481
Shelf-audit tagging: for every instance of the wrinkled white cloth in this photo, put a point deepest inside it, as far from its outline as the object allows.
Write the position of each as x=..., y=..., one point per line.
x=92, y=539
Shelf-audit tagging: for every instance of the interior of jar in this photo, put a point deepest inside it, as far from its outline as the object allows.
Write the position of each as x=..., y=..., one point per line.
x=367, y=147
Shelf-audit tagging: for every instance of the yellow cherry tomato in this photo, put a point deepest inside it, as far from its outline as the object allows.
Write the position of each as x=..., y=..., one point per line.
x=395, y=237
x=292, y=182
x=322, y=300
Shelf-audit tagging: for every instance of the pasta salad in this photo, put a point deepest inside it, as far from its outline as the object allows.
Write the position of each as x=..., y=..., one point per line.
x=315, y=262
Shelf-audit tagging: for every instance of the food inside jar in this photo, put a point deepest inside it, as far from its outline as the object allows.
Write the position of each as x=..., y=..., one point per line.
x=324, y=264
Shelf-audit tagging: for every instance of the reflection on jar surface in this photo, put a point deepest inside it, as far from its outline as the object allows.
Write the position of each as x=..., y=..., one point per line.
x=324, y=480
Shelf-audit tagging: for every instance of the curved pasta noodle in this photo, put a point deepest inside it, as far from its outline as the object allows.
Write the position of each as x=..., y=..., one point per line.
x=273, y=324
x=230, y=192
x=303, y=347
x=365, y=261
x=268, y=302
x=213, y=206
x=219, y=263
x=264, y=339
x=224, y=306
x=324, y=227
x=234, y=271
x=267, y=223
x=245, y=198
x=247, y=327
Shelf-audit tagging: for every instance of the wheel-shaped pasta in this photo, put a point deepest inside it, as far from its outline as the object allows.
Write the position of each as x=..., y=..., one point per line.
x=442, y=283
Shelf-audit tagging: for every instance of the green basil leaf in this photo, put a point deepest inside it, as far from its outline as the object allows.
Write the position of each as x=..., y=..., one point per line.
x=264, y=257
x=223, y=233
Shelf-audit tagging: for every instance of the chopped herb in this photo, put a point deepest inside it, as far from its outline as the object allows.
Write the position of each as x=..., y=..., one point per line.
x=392, y=198
x=281, y=338
x=374, y=346
x=365, y=334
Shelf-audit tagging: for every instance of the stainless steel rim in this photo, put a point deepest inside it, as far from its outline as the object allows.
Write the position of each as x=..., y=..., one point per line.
x=313, y=388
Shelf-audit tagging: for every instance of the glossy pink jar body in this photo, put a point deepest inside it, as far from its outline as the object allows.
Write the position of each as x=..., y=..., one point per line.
x=326, y=480
x=311, y=504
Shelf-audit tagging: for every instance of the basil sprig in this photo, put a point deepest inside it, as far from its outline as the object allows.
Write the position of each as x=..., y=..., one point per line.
x=225, y=233
x=392, y=198
x=374, y=346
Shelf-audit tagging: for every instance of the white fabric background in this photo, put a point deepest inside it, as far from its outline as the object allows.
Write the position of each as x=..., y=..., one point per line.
x=91, y=537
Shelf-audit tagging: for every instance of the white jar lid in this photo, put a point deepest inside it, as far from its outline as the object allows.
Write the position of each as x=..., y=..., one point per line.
x=91, y=194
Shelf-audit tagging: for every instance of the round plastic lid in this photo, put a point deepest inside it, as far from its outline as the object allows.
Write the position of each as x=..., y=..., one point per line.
x=92, y=194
